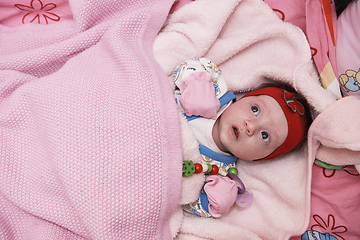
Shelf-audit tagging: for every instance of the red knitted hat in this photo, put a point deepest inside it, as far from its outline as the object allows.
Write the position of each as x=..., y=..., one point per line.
x=295, y=116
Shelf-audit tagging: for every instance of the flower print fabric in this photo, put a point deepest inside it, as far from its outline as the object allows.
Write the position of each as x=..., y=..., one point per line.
x=14, y=13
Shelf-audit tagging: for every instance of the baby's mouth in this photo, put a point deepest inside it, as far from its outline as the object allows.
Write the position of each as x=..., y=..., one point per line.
x=236, y=132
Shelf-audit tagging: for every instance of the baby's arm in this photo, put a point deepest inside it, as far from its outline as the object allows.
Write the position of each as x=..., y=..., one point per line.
x=197, y=81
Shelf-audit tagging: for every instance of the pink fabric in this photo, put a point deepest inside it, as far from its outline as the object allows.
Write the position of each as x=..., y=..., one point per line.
x=89, y=132
x=178, y=4
x=341, y=145
x=317, y=19
x=290, y=11
x=222, y=194
x=335, y=202
x=18, y=12
x=198, y=96
x=321, y=29
x=319, y=23
x=335, y=195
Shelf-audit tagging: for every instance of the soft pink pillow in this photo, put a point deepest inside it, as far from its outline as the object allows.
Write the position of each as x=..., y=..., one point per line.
x=14, y=13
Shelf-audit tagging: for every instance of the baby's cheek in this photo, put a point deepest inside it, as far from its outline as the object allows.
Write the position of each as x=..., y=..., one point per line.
x=255, y=151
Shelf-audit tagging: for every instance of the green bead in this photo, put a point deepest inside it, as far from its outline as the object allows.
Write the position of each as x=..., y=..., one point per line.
x=233, y=170
x=209, y=168
x=188, y=168
x=327, y=165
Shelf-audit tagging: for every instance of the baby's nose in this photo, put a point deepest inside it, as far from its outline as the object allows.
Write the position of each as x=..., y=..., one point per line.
x=250, y=127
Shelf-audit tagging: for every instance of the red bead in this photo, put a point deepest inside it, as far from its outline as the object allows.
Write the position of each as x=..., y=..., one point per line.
x=215, y=169
x=198, y=168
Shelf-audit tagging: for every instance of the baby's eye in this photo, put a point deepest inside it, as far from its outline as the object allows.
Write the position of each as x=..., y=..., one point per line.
x=265, y=136
x=191, y=68
x=255, y=110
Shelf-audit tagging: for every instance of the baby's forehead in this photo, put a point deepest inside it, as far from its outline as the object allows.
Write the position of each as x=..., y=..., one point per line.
x=259, y=98
x=268, y=104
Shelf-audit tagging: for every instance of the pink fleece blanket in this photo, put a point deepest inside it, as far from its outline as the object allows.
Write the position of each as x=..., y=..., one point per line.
x=251, y=45
x=89, y=134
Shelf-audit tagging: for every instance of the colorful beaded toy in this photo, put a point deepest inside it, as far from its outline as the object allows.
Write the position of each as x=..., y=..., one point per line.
x=189, y=168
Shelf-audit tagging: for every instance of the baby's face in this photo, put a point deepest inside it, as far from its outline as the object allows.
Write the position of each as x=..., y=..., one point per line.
x=251, y=128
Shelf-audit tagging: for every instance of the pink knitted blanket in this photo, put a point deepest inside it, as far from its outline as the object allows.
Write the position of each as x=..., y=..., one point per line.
x=89, y=132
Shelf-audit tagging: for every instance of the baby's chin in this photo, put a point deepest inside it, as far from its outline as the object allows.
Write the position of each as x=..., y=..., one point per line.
x=246, y=158
x=249, y=158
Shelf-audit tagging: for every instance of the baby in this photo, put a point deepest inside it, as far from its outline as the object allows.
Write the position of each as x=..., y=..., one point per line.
x=264, y=124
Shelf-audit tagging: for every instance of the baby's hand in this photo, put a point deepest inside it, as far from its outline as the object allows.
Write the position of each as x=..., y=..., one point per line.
x=222, y=194
x=198, y=96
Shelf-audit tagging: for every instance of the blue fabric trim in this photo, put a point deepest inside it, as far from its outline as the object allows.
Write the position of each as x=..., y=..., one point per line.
x=226, y=98
x=191, y=117
x=216, y=156
x=204, y=201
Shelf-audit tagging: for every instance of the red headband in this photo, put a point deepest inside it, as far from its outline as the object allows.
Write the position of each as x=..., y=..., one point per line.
x=295, y=116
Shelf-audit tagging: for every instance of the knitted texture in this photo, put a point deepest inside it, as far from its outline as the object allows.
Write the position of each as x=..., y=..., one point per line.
x=89, y=133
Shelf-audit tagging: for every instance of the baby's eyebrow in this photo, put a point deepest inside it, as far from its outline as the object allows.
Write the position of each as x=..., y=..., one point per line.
x=261, y=104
